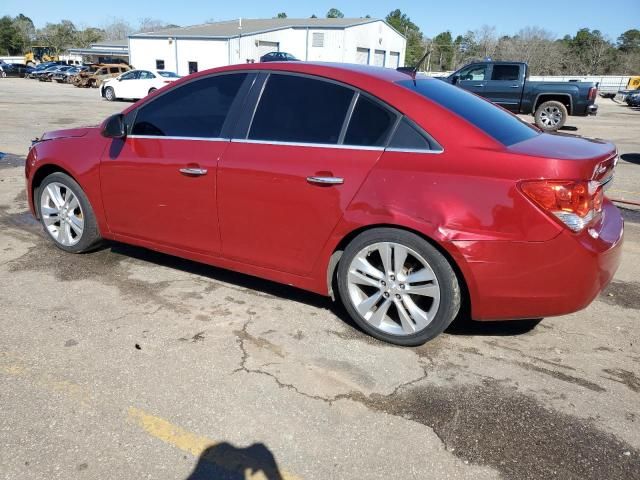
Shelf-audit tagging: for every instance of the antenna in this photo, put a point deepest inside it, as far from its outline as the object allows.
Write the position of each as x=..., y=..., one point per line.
x=413, y=71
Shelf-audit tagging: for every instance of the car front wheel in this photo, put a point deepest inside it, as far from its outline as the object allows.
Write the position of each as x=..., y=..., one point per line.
x=66, y=214
x=398, y=287
x=110, y=94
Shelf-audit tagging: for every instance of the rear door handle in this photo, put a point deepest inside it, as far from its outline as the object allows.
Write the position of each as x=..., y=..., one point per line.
x=515, y=86
x=193, y=171
x=326, y=180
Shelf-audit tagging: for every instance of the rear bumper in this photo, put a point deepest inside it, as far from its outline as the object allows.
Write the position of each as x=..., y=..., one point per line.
x=516, y=280
x=592, y=109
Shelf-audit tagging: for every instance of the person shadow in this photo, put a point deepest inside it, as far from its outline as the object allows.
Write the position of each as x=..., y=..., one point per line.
x=224, y=461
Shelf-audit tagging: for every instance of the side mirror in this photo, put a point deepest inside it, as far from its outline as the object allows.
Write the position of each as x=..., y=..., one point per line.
x=114, y=127
x=455, y=79
x=119, y=79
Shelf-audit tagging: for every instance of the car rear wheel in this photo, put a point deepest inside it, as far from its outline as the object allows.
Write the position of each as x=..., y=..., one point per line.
x=110, y=94
x=151, y=90
x=66, y=214
x=551, y=116
x=397, y=287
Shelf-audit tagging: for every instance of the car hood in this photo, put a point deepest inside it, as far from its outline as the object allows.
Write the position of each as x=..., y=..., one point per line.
x=67, y=133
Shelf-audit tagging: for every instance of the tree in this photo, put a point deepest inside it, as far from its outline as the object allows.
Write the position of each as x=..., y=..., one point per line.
x=281, y=15
x=118, y=29
x=443, y=51
x=335, y=13
x=629, y=41
x=313, y=16
x=89, y=35
x=403, y=24
x=27, y=30
x=10, y=39
x=59, y=36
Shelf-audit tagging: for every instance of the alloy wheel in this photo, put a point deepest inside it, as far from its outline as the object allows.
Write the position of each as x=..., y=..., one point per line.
x=62, y=214
x=551, y=116
x=393, y=288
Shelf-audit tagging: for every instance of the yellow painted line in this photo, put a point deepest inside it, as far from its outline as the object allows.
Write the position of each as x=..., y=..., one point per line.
x=197, y=444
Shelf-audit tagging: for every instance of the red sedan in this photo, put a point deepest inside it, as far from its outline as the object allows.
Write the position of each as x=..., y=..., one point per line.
x=410, y=197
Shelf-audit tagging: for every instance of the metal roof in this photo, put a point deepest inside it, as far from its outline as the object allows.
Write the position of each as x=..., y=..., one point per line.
x=230, y=28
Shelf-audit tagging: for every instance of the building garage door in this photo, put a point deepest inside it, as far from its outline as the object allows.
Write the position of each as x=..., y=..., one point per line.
x=362, y=56
x=394, y=59
x=378, y=58
x=266, y=47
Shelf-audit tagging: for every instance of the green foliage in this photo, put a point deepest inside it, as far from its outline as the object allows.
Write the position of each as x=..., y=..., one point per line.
x=335, y=13
x=11, y=41
x=415, y=45
x=281, y=15
x=629, y=41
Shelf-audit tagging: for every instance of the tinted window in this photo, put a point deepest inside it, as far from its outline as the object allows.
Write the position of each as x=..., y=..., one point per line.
x=196, y=109
x=300, y=109
x=494, y=121
x=171, y=74
x=144, y=75
x=407, y=136
x=129, y=76
x=370, y=124
x=505, y=72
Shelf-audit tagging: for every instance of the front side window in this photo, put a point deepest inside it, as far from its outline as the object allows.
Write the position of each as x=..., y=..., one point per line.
x=300, y=109
x=370, y=124
x=129, y=76
x=144, y=75
x=195, y=109
x=473, y=72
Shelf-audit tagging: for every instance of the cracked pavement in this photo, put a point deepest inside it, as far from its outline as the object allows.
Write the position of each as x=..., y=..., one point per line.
x=213, y=361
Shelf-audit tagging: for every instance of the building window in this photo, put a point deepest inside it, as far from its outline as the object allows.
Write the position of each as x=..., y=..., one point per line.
x=317, y=40
x=159, y=64
x=193, y=67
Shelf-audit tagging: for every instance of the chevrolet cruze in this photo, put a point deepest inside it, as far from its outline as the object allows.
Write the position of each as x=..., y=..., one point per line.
x=407, y=198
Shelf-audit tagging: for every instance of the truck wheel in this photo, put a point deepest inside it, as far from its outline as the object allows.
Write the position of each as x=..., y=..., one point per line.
x=551, y=116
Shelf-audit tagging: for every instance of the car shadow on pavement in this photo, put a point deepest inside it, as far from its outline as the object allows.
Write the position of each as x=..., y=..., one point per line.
x=223, y=461
x=569, y=128
x=464, y=325
x=631, y=158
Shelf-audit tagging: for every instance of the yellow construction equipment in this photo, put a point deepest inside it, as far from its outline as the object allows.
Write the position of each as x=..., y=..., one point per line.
x=633, y=85
x=39, y=54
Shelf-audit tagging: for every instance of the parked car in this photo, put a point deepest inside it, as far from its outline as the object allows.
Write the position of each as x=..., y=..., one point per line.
x=408, y=198
x=278, y=57
x=508, y=85
x=48, y=74
x=94, y=78
x=136, y=84
x=41, y=67
x=13, y=70
x=66, y=76
x=633, y=99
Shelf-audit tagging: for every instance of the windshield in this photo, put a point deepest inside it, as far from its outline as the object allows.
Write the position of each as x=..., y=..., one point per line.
x=492, y=120
x=168, y=74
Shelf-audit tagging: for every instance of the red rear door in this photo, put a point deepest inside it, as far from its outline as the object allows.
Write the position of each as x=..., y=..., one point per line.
x=283, y=188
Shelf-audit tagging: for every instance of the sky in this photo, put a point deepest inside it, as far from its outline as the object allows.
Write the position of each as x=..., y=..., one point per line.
x=458, y=16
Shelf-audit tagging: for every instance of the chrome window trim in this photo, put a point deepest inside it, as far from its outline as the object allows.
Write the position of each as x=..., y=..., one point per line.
x=302, y=144
x=169, y=137
x=347, y=118
x=414, y=150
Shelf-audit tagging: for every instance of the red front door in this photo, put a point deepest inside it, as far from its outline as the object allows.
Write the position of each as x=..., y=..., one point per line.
x=271, y=215
x=163, y=190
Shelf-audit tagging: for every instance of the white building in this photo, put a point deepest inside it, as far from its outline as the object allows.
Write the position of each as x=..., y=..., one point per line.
x=188, y=49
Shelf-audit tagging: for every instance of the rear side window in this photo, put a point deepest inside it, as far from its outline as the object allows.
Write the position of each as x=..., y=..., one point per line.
x=492, y=120
x=370, y=124
x=408, y=137
x=196, y=109
x=505, y=72
x=300, y=109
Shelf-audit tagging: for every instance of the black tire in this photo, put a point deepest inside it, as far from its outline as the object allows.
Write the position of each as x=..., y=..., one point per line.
x=90, y=237
x=547, y=115
x=151, y=90
x=450, y=296
x=110, y=94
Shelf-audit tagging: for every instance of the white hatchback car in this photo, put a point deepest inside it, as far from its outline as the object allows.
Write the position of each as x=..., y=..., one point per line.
x=136, y=84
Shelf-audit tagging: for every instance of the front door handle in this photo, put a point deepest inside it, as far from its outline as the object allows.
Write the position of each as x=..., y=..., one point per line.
x=479, y=85
x=326, y=180
x=193, y=171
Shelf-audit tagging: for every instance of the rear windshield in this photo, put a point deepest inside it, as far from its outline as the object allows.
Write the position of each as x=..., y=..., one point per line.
x=494, y=121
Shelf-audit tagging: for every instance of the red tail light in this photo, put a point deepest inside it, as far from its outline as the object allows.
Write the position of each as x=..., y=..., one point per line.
x=575, y=203
x=593, y=91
